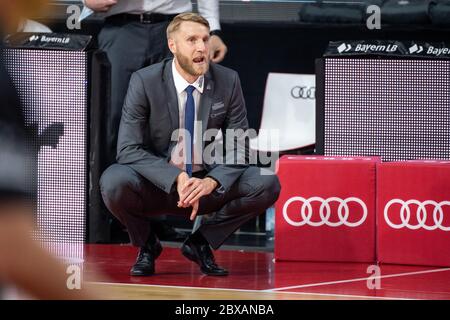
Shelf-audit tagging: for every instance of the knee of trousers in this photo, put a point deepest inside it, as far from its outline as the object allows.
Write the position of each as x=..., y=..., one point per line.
x=267, y=188
x=116, y=185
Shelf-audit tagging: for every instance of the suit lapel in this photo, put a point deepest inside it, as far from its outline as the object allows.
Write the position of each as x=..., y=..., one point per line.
x=171, y=94
x=172, y=102
x=206, y=101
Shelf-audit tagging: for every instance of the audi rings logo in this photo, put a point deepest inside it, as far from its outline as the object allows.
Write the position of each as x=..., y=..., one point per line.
x=302, y=92
x=343, y=212
x=421, y=214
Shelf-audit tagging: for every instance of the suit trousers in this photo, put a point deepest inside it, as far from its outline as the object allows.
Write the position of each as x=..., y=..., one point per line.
x=131, y=198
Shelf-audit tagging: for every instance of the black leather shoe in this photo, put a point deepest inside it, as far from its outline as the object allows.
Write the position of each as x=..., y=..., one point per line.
x=202, y=255
x=145, y=262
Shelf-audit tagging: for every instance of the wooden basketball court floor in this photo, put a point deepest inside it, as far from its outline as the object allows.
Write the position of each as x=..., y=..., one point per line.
x=255, y=276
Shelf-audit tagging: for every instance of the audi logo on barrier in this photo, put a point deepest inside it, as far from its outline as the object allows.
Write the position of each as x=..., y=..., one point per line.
x=302, y=92
x=421, y=214
x=343, y=212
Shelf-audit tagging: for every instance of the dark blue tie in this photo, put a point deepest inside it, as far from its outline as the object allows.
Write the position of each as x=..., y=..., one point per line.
x=189, y=118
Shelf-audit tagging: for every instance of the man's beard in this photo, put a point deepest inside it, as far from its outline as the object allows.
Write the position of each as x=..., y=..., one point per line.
x=188, y=65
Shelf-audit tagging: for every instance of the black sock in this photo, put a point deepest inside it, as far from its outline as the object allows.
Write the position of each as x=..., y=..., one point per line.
x=152, y=239
x=198, y=238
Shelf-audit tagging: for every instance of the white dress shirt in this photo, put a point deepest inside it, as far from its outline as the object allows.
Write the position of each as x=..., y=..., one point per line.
x=177, y=153
x=209, y=9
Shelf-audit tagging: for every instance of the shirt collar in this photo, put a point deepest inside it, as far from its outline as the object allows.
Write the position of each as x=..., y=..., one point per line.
x=181, y=84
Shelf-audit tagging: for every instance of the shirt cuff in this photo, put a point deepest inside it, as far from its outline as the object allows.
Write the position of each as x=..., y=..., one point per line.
x=214, y=25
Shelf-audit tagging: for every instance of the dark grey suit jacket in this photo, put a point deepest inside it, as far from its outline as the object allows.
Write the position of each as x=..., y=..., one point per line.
x=150, y=114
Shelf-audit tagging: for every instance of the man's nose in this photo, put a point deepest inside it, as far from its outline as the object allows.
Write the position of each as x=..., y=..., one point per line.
x=201, y=46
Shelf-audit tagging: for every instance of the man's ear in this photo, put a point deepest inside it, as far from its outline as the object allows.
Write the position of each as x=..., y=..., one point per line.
x=172, y=45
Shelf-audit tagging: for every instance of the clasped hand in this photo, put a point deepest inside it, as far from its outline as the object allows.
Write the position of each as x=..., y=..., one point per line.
x=190, y=190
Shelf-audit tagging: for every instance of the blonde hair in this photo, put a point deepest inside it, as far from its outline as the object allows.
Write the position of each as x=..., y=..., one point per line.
x=174, y=25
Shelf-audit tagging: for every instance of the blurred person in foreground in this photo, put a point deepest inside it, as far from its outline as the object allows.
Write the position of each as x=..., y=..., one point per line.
x=13, y=12
x=15, y=16
x=163, y=164
x=23, y=263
